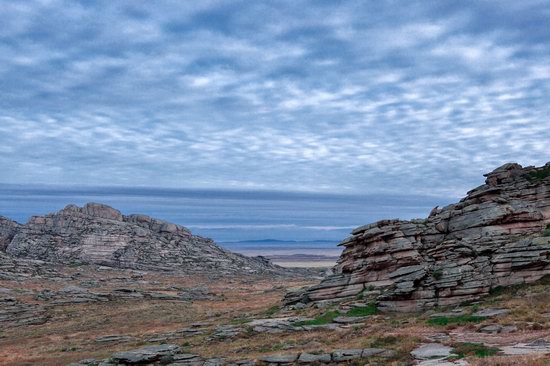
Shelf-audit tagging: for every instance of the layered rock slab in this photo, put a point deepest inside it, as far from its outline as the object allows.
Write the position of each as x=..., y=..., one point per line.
x=496, y=236
x=100, y=234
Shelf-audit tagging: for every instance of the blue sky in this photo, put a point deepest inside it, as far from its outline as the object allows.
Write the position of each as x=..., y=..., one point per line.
x=331, y=96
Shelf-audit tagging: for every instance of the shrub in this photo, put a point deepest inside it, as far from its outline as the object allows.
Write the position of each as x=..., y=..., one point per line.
x=437, y=274
x=474, y=349
x=538, y=175
x=546, y=231
x=238, y=321
x=322, y=319
x=370, y=309
x=456, y=320
x=272, y=310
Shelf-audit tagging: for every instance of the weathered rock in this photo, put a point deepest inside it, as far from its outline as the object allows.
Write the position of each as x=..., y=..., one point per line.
x=8, y=229
x=100, y=234
x=284, y=358
x=491, y=329
x=431, y=350
x=311, y=358
x=492, y=237
x=146, y=354
x=170, y=355
x=490, y=313
x=539, y=346
x=115, y=339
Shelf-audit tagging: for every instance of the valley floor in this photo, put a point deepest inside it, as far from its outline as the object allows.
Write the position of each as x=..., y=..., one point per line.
x=58, y=315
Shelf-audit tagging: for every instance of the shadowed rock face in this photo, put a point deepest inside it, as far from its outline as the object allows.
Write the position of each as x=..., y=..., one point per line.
x=100, y=234
x=8, y=228
x=492, y=237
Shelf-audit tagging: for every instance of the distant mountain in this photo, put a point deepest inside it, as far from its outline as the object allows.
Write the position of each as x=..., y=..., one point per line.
x=100, y=234
x=276, y=241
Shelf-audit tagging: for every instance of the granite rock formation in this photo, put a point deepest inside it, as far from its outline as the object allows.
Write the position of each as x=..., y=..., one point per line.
x=99, y=234
x=498, y=235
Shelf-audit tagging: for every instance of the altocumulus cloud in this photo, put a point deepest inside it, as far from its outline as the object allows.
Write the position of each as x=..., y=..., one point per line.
x=367, y=96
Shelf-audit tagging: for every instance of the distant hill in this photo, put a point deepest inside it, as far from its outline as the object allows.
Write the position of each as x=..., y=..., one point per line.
x=100, y=234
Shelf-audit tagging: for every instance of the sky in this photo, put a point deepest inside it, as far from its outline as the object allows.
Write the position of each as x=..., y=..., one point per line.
x=314, y=220
x=358, y=97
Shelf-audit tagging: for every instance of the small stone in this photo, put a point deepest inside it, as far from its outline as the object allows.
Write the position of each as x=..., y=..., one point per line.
x=310, y=358
x=491, y=329
x=346, y=354
x=489, y=313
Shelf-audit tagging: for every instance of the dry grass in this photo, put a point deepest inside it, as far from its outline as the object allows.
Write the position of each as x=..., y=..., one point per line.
x=70, y=335
x=529, y=360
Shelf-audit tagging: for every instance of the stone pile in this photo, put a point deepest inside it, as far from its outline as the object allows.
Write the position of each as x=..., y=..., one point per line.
x=99, y=234
x=498, y=235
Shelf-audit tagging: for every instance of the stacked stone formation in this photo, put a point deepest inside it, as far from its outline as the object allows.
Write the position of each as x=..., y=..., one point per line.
x=99, y=234
x=492, y=237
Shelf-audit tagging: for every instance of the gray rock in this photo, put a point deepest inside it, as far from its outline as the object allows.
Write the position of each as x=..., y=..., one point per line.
x=491, y=329
x=281, y=358
x=431, y=350
x=311, y=358
x=115, y=339
x=146, y=354
x=346, y=355
x=490, y=313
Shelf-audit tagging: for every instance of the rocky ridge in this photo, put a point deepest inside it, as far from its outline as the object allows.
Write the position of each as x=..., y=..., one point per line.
x=99, y=234
x=498, y=235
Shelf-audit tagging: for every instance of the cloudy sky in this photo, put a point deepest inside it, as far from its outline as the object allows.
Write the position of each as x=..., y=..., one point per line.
x=331, y=96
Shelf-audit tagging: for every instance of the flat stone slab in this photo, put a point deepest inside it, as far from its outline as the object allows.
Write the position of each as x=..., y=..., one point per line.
x=537, y=347
x=448, y=314
x=349, y=319
x=311, y=358
x=115, y=339
x=283, y=358
x=346, y=354
x=489, y=313
x=497, y=328
x=441, y=362
x=431, y=350
x=438, y=337
x=145, y=354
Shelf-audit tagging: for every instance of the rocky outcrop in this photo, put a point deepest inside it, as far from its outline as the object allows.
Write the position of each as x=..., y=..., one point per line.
x=99, y=234
x=496, y=236
x=8, y=228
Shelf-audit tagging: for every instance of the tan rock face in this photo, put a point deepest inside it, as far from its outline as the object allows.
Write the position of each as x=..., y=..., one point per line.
x=100, y=234
x=492, y=237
